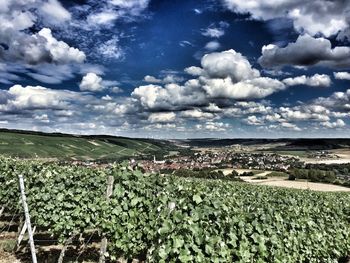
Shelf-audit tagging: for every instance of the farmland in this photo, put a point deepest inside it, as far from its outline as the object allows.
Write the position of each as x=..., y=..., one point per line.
x=173, y=219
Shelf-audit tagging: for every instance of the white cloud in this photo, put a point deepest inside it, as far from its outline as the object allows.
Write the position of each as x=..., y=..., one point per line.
x=212, y=45
x=291, y=126
x=17, y=17
x=213, y=126
x=152, y=79
x=197, y=114
x=91, y=82
x=111, y=49
x=103, y=18
x=162, y=117
x=170, y=78
x=215, y=30
x=342, y=75
x=247, y=89
x=253, y=120
x=115, y=90
x=170, y=97
x=19, y=98
x=194, y=71
x=59, y=51
x=133, y=7
x=317, y=16
x=41, y=47
x=317, y=80
x=228, y=64
x=339, y=123
x=54, y=12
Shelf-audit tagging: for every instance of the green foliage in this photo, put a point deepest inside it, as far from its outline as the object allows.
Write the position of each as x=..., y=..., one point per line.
x=277, y=174
x=206, y=174
x=247, y=173
x=260, y=177
x=313, y=175
x=183, y=219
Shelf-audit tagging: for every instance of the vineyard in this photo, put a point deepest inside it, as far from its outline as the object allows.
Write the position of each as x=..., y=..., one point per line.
x=158, y=218
x=33, y=145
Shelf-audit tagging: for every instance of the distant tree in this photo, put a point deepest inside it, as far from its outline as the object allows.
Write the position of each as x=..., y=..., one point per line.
x=234, y=173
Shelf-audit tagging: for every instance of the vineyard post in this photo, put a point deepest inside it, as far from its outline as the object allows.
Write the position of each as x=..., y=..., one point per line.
x=103, y=248
x=63, y=251
x=2, y=210
x=27, y=218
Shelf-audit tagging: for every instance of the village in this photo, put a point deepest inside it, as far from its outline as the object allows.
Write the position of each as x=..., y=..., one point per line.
x=220, y=160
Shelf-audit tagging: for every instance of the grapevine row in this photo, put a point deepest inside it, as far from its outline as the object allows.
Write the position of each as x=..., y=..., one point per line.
x=172, y=219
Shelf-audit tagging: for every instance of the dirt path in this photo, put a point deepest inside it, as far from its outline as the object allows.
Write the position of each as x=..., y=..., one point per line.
x=7, y=258
x=305, y=185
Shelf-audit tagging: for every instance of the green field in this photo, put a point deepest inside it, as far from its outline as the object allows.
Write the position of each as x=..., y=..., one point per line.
x=60, y=146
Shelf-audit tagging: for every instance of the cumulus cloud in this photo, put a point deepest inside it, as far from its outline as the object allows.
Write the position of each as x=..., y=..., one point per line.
x=225, y=83
x=19, y=98
x=161, y=117
x=339, y=123
x=91, y=82
x=253, y=120
x=41, y=47
x=256, y=88
x=194, y=71
x=152, y=79
x=59, y=51
x=213, y=126
x=313, y=17
x=170, y=78
x=62, y=110
x=291, y=126
x=228, y=64
x=338, y=101
x=197, y=114
x=38, y=48
x=54, y=12
x=172, y=96
x=317, y=80
x=342, y=75
x=306, y=51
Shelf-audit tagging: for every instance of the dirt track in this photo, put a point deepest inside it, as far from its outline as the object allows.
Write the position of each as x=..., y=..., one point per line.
x=306, y=185
x=284, y=182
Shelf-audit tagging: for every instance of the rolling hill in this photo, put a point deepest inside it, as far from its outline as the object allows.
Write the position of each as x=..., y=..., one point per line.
x=28, y=144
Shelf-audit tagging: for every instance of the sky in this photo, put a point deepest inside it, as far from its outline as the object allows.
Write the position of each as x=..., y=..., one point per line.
x=176, y=68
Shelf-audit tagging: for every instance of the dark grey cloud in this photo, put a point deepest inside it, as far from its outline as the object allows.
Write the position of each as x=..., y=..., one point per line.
x=306, y=51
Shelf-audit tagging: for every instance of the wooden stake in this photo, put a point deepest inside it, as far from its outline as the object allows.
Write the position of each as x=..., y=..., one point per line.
x=2, y=210
x=27, y=218
x=103, y=248
x=63, y=251
x=21, y=234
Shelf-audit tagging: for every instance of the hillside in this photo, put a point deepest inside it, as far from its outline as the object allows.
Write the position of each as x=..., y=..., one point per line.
x=28, y=144
x=289, y=143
